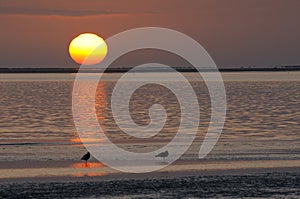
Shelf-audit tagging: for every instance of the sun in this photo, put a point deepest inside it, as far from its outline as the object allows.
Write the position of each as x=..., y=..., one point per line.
x=88, y=49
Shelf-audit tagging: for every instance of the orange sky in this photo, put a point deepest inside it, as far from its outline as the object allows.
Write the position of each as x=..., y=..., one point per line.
x=37, y=33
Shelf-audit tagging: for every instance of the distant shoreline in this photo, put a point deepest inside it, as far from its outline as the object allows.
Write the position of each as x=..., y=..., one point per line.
x=123, y=70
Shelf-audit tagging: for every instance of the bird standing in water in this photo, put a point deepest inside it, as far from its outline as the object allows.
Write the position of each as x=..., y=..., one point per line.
x=163, y=155
x=86, y=157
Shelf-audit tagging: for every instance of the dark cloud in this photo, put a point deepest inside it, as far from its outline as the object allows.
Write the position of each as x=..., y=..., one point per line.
x=53, y=11
x=72, y=7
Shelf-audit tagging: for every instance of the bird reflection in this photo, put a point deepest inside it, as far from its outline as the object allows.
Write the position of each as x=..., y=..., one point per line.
x=88, y=165
x=94, y=169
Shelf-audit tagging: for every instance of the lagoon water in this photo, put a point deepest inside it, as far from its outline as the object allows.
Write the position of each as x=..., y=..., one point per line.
x=262, y=122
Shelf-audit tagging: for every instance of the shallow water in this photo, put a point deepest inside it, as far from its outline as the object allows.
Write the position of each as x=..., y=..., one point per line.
x=262, y=118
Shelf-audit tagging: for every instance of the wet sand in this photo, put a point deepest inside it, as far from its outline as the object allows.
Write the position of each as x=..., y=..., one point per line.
x=18, y=170
x=258, y=184
x=57, y=179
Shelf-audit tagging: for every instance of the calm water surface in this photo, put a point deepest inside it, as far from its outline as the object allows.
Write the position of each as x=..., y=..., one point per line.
x=262, y=118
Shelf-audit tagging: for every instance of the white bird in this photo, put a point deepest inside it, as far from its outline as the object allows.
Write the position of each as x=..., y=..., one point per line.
x=163, y=155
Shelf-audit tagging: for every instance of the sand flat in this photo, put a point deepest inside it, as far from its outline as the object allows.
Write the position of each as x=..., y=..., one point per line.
x=61, y=169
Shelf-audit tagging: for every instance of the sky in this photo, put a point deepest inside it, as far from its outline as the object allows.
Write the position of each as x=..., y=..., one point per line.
x=37, y=33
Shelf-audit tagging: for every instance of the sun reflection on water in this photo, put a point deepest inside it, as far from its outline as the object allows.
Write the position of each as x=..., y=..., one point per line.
x=91, y=169
x=88, y=165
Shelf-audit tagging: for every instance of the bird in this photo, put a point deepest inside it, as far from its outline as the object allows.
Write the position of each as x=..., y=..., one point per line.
x=163, y=155
x=86, y=157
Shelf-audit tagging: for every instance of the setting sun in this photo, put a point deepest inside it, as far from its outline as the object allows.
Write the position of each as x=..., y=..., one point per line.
x=88, y=49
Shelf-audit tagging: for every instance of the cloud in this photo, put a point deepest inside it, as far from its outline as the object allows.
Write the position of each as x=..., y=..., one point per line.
x=54, y=12
x=75, y=8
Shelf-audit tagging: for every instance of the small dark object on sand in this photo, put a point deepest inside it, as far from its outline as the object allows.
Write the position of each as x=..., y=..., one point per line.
x=163, y=155
x=86, y=157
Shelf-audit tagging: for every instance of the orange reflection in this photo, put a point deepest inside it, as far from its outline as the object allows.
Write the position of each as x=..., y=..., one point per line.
x=101, y=103
x=88, y=172
x=79, y=140
x=88, y=165
x=101, y=109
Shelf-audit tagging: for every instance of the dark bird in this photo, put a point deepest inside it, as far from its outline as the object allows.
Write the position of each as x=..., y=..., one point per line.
x=163, y=155
x=86, y=157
